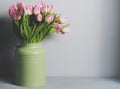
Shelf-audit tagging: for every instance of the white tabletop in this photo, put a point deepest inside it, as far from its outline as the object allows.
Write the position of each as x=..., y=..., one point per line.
x=71, y=83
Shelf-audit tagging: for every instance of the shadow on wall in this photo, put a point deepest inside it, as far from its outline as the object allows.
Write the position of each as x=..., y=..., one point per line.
x=110, y=37
x=8, y=42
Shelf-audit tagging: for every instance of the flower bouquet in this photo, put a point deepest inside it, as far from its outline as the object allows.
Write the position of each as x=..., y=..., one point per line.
x=31, y=25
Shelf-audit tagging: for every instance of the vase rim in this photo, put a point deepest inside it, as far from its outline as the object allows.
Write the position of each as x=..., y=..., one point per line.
x=29, y=45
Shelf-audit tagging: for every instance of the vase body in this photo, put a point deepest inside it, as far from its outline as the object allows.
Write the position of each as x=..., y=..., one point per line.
x=30, y=65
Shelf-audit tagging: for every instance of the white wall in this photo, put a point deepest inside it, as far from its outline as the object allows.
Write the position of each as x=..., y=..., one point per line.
x=92, y=47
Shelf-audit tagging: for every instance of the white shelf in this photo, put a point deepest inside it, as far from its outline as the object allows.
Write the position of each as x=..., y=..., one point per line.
x=72, y=83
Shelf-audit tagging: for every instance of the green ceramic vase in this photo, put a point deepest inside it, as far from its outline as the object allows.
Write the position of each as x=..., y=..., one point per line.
x=30, y=65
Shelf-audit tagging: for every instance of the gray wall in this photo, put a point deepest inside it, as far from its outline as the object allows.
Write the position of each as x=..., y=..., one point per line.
x=90, y=50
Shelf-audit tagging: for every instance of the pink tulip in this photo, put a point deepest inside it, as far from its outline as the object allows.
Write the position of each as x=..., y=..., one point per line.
x=14, y=13
x=12, y=10
x=49, y=18
x=17, y=16
x=64, y=19
x=58, y=27
x=44, y=8
x=29, y=10
x=50, y=8
x=21, y=7
x=39, y=17
x=36, y=10
x=65, y=30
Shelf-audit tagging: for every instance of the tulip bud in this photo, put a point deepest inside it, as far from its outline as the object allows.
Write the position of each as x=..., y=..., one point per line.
x=49, y=19
x=39, y=17
x=29, y=10
x=36, y=10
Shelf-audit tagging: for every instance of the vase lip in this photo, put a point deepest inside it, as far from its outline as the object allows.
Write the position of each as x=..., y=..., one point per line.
x=30, y=45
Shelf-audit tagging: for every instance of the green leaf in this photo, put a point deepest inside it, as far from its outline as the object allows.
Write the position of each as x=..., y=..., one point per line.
x=37, y=30
x=46, y=33
x=53, y=30
x=25, y=31
x=64, y=26
x=21, y=32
